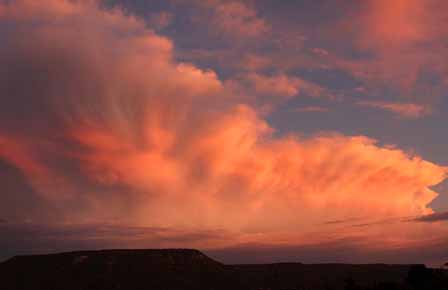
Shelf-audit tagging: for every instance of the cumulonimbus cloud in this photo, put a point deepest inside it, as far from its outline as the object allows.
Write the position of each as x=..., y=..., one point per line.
x=107, y=125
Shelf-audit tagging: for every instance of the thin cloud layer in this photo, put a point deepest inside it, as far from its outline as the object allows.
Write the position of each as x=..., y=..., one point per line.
x=271, y=90
x=405, y=110
x=311, y=109
x=106, y=125
x=435, y=217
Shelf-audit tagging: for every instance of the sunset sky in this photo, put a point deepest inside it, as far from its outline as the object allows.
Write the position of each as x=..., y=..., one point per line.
x=256, y=131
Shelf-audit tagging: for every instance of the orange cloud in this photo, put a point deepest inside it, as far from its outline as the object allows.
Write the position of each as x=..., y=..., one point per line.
x=406, y=110
x=140, y=138
x=229, y=169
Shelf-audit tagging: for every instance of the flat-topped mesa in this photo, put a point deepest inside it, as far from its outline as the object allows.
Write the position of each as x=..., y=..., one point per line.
x=113, y=269
x=136, y=257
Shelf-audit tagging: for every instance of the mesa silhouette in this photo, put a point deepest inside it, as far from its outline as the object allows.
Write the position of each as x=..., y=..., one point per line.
x=185, y=269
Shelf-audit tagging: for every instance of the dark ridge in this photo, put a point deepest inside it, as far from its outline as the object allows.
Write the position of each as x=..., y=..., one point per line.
x=159, y=257
x=185, y=269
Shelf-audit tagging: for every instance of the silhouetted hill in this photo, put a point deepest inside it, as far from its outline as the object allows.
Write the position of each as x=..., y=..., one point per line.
x=184, y=269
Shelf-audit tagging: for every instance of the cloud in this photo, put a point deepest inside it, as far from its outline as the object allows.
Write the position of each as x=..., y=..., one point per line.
x=106, y=126
x=405, y=17
x=236, y=19
x=280, y=85
x=320, y=51
x=80, y=86
x=161, y=20
x=435, y=217
x=311, y=109
x=277, y=87
x=253, y=62
x=405, y=110
x=401, y=41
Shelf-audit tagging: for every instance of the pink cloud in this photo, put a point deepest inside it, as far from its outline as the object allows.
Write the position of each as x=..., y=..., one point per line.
x=395, y=24
x=405, y=110
x=320, y=51
x=126, y=132
x=253, y=62
x=278, y=86
x=404, y=41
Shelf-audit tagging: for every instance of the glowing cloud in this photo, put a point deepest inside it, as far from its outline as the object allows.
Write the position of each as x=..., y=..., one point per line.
x=118, y=130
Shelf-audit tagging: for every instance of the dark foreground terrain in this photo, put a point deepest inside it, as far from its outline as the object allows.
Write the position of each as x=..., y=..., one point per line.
x=182, y=269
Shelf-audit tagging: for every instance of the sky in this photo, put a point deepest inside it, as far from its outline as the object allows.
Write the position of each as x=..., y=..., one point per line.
x=256, y=131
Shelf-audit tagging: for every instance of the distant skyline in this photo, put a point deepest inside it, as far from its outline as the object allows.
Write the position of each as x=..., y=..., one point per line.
x=256, y=131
